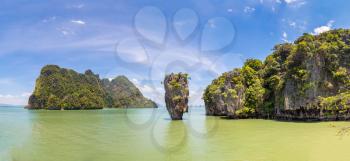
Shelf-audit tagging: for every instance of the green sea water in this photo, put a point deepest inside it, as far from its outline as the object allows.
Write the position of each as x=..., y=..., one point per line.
x=149, y=135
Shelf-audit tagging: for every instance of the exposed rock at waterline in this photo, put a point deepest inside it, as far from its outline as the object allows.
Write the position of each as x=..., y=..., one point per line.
x=305, y=80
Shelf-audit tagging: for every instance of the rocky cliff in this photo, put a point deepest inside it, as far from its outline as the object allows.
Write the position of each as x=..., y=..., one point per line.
x=236, y=94
x=176, y=94
x=305, y=80
x=123, y=93
x=59, y=88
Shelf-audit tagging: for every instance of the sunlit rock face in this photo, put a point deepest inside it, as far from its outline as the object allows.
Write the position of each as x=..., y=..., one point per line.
x=316, y=79
x=176, y=94
x=307, y=80
x=225, y=96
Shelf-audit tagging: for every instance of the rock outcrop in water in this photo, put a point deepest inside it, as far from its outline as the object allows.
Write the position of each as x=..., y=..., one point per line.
x=59, y=88
x=305, y=80
x=176, y=94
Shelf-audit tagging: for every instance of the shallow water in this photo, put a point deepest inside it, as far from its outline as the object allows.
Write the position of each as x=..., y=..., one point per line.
x=148, y=134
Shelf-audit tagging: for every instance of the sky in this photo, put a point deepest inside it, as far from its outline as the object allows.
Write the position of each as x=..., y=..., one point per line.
x=146, y=40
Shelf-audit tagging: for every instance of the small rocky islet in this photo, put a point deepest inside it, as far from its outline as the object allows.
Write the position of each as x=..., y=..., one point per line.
x=176, y=94
x=65, y=89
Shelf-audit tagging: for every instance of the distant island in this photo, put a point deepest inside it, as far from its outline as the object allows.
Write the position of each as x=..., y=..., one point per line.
x=65, y=89
x=305, y=80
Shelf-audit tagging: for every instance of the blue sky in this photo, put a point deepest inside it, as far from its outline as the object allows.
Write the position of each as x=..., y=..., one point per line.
x=145, y=40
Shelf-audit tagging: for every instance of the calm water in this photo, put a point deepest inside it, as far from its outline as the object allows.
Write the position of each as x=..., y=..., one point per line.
x=148, y=134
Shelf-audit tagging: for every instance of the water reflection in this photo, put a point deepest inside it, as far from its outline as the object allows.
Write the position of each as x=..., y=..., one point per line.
x=170, y=136
x=58, y=135
x=104, y=135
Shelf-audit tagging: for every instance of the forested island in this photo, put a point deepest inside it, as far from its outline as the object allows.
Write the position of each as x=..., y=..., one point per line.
x=65, y=89
x=305, y=80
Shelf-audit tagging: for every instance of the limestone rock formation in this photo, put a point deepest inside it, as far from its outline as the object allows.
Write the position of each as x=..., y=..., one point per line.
x=235, y=94
x=226, y=97
x=305, y=80
x=64, y=89
x=121, y=92
x=176, y=94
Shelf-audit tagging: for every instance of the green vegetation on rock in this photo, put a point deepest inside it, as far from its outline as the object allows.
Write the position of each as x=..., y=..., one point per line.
x=176, y=94
x=59, y=88
x=123, y=93
x=308, y=79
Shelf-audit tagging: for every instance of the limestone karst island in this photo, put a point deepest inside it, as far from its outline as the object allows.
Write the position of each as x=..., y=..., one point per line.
x=184, y=80
x=305, y=80
x=65, y=89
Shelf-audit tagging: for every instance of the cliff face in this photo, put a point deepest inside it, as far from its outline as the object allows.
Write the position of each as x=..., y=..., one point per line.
x=305, y=80
x=317, y=78
x=123, y=93
x=176, y=95
x=236, y=94
x=226, y=95
x=59, y=88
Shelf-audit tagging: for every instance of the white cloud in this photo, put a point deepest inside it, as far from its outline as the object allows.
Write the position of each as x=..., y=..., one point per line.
x=290, y=1
x=292, y=24
x=80, y=22
x=76, y=6
x=21, y=99
x=330, y=23
x=295, y=24
x=230, y=10
x=325, y=28
x=130, y=50
x=50, y=19
x=295, y=3
x=249, y=9
x=149, y=90
x=66, y=31
x=285, y=37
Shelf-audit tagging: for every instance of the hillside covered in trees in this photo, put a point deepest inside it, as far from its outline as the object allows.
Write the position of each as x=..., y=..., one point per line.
x=59, y=88
x=305, y=80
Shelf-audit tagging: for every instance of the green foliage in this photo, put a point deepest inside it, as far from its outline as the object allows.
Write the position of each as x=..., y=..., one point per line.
x=176, y=98
x=60, y=88
x=122, y=93
x=255, y=64
x=312, y=63
x=245, y=112
x=340, y=102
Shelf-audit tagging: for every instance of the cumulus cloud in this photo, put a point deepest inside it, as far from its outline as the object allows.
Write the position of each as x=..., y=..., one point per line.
x=150, y=91
x=323, y=29
x=20, y=99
